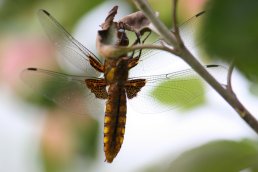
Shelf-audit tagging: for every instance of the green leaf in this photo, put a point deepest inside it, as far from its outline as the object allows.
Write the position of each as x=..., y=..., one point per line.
x=185, y=93
x=219, y=156
x=230, y=30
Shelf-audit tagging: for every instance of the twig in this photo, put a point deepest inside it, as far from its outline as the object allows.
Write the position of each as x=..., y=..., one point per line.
x=186, y=55
x=174, y=21
x=229, y=78
x=147, y=46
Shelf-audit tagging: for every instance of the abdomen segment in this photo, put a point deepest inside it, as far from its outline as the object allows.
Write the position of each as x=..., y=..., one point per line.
x=114, y=122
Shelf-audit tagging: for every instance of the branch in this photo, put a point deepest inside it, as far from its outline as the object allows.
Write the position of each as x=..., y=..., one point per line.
x=174, y=22
x=174, y=39
x=230, y=71
x=146, y=46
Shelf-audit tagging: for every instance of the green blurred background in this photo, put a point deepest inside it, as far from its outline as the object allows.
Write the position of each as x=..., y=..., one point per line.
x=38, y=136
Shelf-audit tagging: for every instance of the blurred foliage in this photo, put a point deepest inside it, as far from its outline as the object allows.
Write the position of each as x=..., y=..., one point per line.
x=222, y=156
x=10, y=9
x=215, y=156
x=164, y=10
x=64, y=142
x=254, y=89
x=87, y=137
x=16, y=15
x=230, y=30
x=185, y=93
x=54, y=165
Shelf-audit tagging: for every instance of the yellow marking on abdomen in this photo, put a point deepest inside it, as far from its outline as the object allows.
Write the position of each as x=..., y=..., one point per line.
x=107, y=119
x=121, y=139
x=123, y=131
x=106, y=139
x=106, y=129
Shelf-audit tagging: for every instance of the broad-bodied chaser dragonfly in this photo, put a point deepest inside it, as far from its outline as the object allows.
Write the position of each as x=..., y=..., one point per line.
x=108, y=81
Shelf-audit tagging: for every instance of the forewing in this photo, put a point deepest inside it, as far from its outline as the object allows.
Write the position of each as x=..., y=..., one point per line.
x=187, y=30
x=183, y=89
x=68, y=91
x=69, y=48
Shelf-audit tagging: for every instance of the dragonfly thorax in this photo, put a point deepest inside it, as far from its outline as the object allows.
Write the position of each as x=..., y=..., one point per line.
x=116, y=70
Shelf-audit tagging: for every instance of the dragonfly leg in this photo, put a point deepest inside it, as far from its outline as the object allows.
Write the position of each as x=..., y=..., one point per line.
x=96, y=64
x=134, y=61
x=147, y=36
x=137, y=41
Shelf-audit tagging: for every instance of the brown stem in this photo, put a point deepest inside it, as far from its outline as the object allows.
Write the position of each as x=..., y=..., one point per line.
x=174, y=21
x=186, y=55
x=229, y=78
x=228, y=96
x=176, y=29
x=146, y=46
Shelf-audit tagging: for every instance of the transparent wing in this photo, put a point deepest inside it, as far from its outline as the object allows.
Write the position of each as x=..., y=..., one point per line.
x=69, y=48
x=68, y=91
x=182, y=89
x=187, y=31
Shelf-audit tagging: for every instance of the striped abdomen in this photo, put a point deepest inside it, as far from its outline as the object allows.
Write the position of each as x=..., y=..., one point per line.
x=114, y=122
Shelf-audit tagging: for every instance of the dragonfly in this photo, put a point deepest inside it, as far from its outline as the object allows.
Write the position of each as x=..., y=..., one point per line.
x=109, y=81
